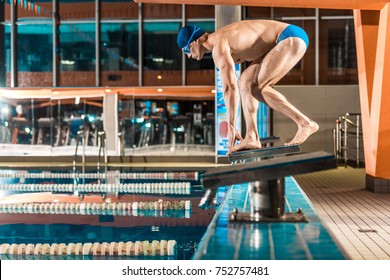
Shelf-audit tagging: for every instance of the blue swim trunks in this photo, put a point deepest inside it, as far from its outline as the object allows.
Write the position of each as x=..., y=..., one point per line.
x=293, y=31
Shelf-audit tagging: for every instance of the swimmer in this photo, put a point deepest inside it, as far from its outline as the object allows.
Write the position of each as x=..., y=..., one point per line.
x=273, y=48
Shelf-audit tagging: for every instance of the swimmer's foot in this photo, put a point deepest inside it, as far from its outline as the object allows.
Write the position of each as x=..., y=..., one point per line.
x=303, y=133
x=246, y=144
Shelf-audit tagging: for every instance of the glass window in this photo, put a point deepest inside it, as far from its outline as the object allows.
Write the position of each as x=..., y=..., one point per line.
x=77, y=114
x=338, y=58
x=130, y=122
x=5, y=51
x=200, y=11
x=5, y=11
x=201, y=72
x=280, y=13
x=119, y=54
x=35, y=57
x=330, y=12
x=161, y=11
x=45, y=132
x=119, y=9
x=303, y=73
x=77, y=51
x=34, y=9
x=77, y=10
x=7, y=111
x=162, y=57
x=24, y=117
x=5, y=55
x=258, y=13
x=168, y=124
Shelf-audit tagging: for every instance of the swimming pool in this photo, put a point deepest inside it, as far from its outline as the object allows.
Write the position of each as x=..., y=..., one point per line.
x=143, y=212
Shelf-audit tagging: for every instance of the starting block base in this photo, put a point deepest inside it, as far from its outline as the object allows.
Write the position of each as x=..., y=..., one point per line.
x=246, y=217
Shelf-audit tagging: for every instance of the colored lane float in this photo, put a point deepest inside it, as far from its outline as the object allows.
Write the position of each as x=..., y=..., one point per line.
x=160, y=208
x=149, y=188
x=191, y=176
x=137, y=248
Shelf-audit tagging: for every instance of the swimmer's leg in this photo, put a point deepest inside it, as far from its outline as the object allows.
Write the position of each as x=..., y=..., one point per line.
x=250, y=105
x=276, y=64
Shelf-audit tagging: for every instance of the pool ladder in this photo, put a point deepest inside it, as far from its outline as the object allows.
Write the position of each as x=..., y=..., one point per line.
x=80, y=136
x=102, y=143
x=102, y=152
x=121, y=145
x=347, y=139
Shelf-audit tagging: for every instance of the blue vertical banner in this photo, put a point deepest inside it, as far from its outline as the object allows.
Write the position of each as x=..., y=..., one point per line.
x=263, y=121
x=222, y=120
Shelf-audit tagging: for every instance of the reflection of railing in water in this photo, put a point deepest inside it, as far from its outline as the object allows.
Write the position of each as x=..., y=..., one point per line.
x=102, y=144
x=345, y=131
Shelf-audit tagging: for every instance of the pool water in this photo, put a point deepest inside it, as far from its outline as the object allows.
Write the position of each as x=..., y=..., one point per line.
x=187, y=238
x=185, y=227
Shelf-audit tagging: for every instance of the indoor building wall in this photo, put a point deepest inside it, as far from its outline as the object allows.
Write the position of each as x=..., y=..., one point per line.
x=323, y=104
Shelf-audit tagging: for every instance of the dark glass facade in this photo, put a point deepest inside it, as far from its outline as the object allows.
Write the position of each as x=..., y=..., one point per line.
x=113, y=46
x=137, y=44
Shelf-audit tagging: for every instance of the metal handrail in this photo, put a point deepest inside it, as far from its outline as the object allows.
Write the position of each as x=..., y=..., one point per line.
x=102, y=143
x=121, y=145
x=348, y=120
x=342, y=133
x=80, y=135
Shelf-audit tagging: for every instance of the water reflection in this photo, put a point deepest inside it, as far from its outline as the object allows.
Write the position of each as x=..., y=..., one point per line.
x=22, y=222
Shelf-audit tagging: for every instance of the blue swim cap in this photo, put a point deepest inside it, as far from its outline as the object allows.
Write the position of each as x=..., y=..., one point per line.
x=187, y=33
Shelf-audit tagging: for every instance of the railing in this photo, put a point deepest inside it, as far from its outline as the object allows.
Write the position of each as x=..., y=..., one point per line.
x=80, y=136
x=347, y=137
x=121, y=145
x=102, y=144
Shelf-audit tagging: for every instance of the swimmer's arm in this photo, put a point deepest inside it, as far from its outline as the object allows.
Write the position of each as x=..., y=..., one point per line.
x=224, y=61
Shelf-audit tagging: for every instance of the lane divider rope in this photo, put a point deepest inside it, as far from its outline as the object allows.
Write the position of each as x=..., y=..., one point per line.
x=159, y=188
x=158, y=208
x=137, y=248
x=109, y=174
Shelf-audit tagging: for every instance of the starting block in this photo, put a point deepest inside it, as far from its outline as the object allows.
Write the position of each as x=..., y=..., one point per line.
x=266, y=183
x=267, y=152
x=269, y=141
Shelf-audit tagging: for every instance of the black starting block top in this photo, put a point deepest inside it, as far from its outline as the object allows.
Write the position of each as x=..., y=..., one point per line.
x=265, y=152
x=269, y=140
x=269, y=169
